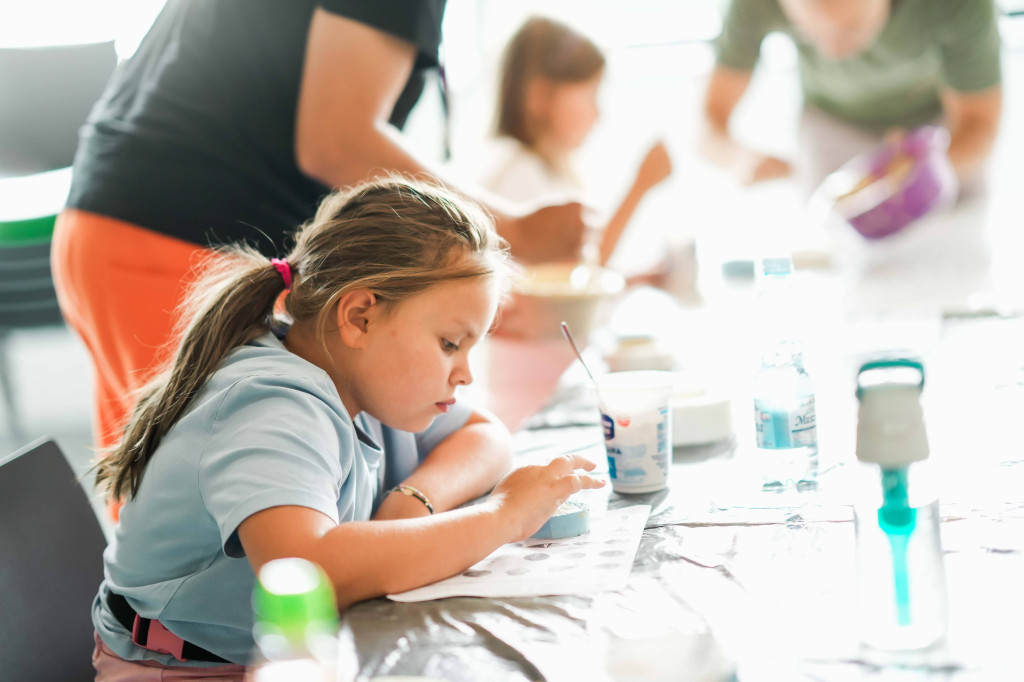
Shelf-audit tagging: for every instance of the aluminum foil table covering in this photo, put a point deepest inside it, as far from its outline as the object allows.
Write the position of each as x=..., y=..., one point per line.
x=730, y=578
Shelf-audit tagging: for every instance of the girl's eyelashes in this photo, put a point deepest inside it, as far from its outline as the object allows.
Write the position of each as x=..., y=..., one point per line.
x=448, y=346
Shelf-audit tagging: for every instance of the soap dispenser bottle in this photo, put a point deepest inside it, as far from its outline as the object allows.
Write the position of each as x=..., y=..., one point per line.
x=901, y=586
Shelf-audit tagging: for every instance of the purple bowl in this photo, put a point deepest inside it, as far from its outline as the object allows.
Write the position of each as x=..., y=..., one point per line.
x=886, y=206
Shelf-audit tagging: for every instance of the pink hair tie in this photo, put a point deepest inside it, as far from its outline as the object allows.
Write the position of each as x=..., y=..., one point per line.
x=281, y=265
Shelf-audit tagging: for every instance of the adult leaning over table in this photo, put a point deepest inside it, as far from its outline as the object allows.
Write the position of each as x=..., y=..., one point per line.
x=866, y=68
x=230, y=122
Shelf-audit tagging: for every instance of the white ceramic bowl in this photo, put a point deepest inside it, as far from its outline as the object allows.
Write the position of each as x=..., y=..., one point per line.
x=701, y=413
x=546, y=294
x=639, y=352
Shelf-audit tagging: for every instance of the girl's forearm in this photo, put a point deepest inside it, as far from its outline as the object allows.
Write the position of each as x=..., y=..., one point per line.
x=462, y=467
x=617, y=225
x=973, y=122
x=367, y=559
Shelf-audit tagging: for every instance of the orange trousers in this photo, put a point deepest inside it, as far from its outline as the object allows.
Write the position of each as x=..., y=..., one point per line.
x=119, y=286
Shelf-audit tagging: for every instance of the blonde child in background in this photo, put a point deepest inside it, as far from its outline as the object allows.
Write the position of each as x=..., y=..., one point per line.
x=334, y=435
x=547, y=106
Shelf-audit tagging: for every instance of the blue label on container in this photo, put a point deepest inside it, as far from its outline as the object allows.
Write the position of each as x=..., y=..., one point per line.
x=639, y=447
x=609, y=427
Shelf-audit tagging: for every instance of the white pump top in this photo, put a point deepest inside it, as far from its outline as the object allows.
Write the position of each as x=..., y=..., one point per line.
x=890, y=425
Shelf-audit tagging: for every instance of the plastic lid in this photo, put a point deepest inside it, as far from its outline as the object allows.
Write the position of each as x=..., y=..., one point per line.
x=890, y=371
x=890, y=421
x=781, y=265
x=292, y=597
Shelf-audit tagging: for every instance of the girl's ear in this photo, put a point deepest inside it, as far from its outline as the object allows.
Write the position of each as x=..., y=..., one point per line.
x=355, y=311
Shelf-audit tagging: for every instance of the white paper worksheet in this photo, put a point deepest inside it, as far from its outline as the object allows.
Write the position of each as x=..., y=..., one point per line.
x=593, y=562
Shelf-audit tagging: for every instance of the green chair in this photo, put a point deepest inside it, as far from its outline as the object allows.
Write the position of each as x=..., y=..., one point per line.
x=27, y=297
x=45, y=96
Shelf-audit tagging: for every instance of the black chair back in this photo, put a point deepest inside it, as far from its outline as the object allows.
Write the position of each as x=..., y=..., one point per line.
x=51, y=564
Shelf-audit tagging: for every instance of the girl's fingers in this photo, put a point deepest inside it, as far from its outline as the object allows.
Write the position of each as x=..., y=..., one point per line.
x=568, y=468
x=581, y=462
x=563, y=464
x=575, y=461
x=580, y=482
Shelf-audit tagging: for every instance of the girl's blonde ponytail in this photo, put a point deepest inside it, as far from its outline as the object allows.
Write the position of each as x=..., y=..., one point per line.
x=229, y=306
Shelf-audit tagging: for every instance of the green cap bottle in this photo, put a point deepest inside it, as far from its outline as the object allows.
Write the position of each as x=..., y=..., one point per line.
x=296, y=615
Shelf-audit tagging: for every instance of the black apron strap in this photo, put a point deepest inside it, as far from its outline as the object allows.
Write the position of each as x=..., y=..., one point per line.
x=141, y=629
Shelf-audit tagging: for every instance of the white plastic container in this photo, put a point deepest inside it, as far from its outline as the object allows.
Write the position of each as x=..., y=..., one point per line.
x=901, y=584
x=638, y=353
x=637, y=419
x=701, y=414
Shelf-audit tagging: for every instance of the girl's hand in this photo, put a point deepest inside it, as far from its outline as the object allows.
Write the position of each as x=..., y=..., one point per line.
x=529, y=495
x=655, y=168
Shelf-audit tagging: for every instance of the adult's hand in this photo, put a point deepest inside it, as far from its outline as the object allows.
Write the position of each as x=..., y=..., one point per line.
x=894, y=137
x=757, y=167
x=550, y=233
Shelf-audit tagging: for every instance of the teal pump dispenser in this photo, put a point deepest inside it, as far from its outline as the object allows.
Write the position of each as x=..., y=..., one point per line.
x=897, y=518
x=910, y=611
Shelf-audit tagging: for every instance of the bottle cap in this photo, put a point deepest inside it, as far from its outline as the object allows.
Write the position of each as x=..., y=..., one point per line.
x=890, y=422
x=293, y=599
x=780, y=265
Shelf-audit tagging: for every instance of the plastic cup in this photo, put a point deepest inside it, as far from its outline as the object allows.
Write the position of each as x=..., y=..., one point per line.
x=637, y=422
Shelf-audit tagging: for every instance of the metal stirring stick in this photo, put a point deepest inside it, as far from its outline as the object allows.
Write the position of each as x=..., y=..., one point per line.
x=568, y=337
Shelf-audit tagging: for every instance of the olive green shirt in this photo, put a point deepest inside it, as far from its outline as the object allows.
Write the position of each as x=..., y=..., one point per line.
x=926, y=46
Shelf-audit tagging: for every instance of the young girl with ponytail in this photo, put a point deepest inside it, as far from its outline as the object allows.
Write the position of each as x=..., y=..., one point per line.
x=331, y=431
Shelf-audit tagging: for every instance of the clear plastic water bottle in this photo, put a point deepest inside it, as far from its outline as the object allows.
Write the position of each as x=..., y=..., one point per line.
x=784, y=410
x=901, y=585
x=296, y=625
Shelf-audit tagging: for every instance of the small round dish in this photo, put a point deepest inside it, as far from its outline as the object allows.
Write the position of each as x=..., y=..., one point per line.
x=546, y=295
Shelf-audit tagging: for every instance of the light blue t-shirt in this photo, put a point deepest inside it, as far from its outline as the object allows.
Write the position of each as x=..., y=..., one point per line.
x=268, y=429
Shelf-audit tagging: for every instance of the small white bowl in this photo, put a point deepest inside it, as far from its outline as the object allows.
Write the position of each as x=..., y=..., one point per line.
x=547, y=294
x=639, y=352
x=700, y=413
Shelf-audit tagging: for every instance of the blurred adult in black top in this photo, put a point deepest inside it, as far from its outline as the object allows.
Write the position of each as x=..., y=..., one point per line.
x=229, y=124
